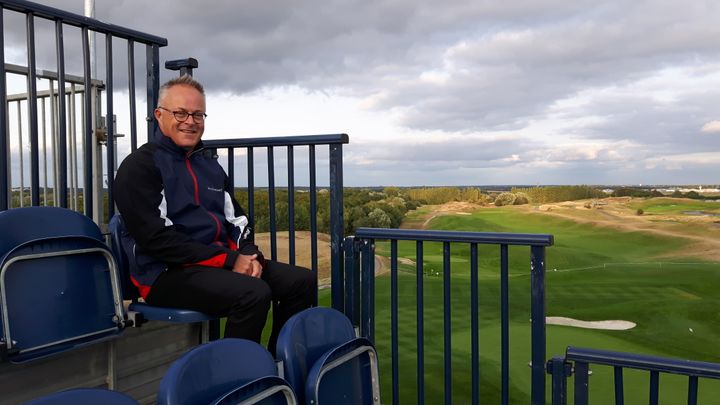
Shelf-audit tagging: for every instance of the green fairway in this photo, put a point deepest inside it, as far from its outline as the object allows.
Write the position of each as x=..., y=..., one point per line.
x=676, y=206
x=593, y=273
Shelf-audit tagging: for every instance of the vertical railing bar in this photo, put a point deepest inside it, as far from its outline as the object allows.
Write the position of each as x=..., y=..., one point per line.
x=420, y=323
x=394, y=319
x=654, y=387
x=5, y=189
x=152, y=53
x=352, y=293
x=692, y=390
x=504, y=327
x=131, y=95
x=619, y=389
x=336, y=222
x=87, y=127
x=474, y=325
x=54, y=141
x=231, y=169
x=96, y=151
x=61, y=165
x=581, y=383
x=537, y=312
x=73, y=147
x=447, y=303
x=559, y=380
x=367, y=291
x=271, y=202
x=32, y=112
x=21, y=155
x=313, y=211
x=44, y=149
x=251, y=189
x=109, y=124
x=291, y=205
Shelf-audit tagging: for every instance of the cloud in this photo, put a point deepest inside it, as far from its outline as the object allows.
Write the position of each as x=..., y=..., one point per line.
x=711, y=127
x=498, y=88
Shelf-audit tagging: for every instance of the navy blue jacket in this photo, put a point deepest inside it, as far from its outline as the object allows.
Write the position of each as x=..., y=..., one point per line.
x=179, y=209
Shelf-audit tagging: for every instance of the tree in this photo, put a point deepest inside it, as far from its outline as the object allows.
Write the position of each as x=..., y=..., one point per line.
x=377, y=218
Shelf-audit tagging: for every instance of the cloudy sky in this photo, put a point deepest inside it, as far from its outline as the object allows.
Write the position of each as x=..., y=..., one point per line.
x=460, y=92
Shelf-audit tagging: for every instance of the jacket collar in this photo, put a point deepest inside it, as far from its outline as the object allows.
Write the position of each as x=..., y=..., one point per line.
x=166, y=143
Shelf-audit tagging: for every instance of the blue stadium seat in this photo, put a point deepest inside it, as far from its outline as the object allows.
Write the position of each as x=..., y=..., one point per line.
x=270, y=390
x=59, y=286
x=324, y=362
x=130, y=292
x=84, y=396
x=225, y=371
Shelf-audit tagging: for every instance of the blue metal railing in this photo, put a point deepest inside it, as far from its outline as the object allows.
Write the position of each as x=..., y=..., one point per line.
x=360, y=294
x=334, y=143
x=577, y=363
x=62, y=19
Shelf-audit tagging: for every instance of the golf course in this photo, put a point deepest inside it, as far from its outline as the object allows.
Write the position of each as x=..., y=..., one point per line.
x=625, y=274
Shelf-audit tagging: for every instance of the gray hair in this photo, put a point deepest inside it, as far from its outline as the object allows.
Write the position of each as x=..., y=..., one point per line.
x=184, y=80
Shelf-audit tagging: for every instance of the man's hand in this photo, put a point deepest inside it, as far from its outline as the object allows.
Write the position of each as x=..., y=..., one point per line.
x=248, y=265
x=256, y=269
x=244, y=264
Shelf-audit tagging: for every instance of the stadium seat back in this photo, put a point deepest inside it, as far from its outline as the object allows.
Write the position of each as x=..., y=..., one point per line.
x=305, y=338
x=346, y=374
x=213, y=371
x=59, y=287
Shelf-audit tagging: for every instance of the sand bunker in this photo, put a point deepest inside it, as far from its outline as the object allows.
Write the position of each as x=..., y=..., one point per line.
x=607, y=325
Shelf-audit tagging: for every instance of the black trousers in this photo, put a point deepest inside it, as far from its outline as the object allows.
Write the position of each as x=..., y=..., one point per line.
x=244, y=300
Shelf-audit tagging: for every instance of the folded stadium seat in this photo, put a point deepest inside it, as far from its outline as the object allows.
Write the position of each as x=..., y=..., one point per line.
x=130, y=292
x=84, y=396
x=59, y=285
x=324, y=362
x=223, y=372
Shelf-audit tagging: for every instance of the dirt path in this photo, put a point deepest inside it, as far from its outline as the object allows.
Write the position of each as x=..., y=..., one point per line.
x=434, y=211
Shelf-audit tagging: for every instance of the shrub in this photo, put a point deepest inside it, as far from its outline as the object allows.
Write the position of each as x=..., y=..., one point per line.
x=640, y=211
x=521, y=198
x=505, y=199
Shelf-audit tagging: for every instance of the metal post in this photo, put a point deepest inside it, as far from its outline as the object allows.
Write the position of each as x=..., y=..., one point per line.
x=5, y=191
x=184, y=66
x=32, y=113
x=87, y=127
x=336, y=222
x=352, y=264
x=153, y=87
x=110, y=129
x=558, y=369
x=367, y=290
x=537, y=285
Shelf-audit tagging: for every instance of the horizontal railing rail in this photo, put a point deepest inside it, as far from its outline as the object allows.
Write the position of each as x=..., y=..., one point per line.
x=334, y=142
x=360, y=295
x=577, y=363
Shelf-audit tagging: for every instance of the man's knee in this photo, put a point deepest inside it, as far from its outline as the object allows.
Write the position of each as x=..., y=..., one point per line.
x=257, y=298
x=306, y=285
x=261, y=295
x=308, y=279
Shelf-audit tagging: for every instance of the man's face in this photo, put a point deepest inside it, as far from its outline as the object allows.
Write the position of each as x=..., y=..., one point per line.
x=185, y=134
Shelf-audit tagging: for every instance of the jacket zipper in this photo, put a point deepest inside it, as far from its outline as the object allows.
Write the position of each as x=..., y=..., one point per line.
x=197, y=194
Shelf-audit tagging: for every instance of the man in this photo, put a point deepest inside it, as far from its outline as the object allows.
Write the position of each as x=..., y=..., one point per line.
x=189, y=241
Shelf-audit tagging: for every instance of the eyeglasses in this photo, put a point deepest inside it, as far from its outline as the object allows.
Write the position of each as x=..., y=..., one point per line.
x=181, y=116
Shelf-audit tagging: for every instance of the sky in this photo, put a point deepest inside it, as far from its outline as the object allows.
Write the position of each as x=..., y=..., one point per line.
x=458, y=92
